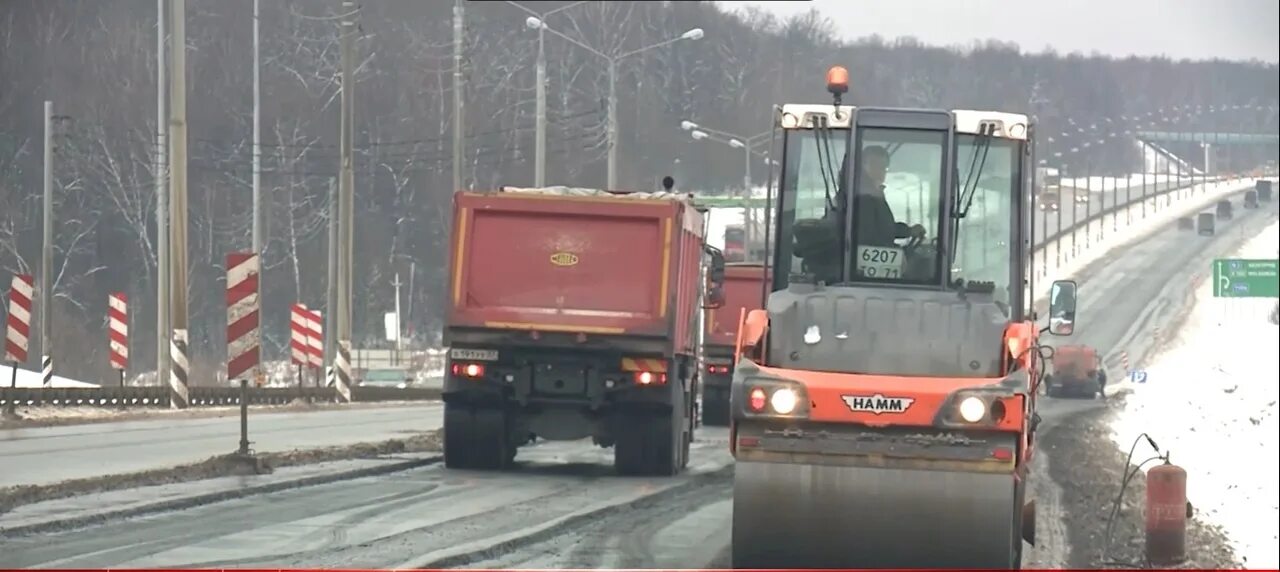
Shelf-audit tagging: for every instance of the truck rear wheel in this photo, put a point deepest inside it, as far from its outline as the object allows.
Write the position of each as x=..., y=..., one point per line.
x=476, y=438
x=715, y=409
x=647, y=444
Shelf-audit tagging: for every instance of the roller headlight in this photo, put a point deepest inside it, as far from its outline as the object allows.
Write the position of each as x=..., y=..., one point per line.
x=972, y=409
x=784, y=401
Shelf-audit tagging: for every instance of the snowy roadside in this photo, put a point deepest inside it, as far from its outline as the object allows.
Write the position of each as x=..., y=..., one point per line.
x=1211, y=394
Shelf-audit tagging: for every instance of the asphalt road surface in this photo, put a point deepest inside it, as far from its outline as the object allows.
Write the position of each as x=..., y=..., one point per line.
x=561, y=506
x=45, y=455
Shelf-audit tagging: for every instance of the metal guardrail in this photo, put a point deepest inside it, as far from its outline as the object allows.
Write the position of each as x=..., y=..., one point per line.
x=126, y=397
x=1094, y=217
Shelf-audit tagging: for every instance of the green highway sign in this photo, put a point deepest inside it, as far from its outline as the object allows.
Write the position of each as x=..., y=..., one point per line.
x=730, y=202
x=1245, y=278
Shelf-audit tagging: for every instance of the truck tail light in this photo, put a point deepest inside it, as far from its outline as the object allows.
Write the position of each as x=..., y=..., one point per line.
x=472, y=370
x=757, y=399
x=650, y=378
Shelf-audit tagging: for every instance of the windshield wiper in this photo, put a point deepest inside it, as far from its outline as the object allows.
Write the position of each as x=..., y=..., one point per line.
x=826, y=162
x=970, y=189
x=965, y=194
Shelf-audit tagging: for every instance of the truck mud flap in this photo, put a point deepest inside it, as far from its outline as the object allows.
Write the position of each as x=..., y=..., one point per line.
x=835, y=516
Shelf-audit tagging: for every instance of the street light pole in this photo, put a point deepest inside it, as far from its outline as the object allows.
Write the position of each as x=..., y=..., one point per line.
x=540, y=127
x=613, y=124
x=46, y=254
x=540, y=135
x=539, y=24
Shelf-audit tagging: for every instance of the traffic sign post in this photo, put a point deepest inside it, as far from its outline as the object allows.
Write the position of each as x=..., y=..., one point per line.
x=1246, y=278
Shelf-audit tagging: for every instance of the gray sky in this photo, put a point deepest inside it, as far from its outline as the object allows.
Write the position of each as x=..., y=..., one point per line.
x=1197, y=29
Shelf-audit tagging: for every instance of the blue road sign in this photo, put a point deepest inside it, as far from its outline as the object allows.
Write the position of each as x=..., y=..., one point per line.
x=1138, y=376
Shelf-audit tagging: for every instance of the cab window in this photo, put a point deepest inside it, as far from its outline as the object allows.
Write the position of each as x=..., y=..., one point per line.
x=897, y=204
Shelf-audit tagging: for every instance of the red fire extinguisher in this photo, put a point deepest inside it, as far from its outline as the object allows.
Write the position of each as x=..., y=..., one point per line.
x=1167, y=514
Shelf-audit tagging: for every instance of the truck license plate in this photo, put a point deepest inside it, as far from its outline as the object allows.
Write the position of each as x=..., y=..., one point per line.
x=477, y=355
x=880, y=262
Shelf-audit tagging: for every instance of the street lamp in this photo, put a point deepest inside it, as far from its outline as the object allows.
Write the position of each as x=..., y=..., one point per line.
x=540, y=129
x=699, y=133
x=539, y=24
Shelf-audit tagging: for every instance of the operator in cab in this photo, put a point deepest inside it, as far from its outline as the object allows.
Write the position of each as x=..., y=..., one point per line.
x=818, y=240
x=875, y=221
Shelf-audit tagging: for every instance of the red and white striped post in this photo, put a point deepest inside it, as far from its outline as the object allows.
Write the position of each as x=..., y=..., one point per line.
x=299, y=330
x=118, y=331
x=243, y=345
x=21, y=290
x=315, y=342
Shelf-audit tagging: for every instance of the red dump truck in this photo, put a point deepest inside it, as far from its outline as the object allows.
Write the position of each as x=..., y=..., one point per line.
x=575, y=313
x=743, y=289
x=1077, y=371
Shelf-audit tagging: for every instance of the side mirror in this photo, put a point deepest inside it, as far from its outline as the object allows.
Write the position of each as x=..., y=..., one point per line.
x=1062, y=308
x=715, y=279
x=716, y=273
x=715, y=298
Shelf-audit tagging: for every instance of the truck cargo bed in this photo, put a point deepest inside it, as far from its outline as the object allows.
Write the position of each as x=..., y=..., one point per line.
x=596, y=264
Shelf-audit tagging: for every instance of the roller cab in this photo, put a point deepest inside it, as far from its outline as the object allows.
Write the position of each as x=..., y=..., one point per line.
x=883, y=400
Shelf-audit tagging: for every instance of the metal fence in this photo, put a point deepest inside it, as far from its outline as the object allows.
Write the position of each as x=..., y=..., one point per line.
x=127, y=397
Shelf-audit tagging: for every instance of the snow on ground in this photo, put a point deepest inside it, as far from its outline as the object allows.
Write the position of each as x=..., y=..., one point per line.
x=32, y=379
x=1211, y=401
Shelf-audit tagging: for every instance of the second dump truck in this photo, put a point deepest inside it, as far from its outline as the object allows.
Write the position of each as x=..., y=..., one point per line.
x=744, y=284
x=575, y=313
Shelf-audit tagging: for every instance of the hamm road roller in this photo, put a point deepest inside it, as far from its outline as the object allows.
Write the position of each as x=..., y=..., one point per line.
x=883, y=401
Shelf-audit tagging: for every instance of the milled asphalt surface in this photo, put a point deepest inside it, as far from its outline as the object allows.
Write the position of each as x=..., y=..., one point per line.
x=563, y=506
x=45, y=455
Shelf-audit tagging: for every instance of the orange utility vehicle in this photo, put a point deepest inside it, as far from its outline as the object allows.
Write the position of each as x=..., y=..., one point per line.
x=575, y=313
x=884, y=401
x=1077, y=371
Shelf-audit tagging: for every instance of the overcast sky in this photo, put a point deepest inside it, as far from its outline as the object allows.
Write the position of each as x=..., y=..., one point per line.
x=1198, y=29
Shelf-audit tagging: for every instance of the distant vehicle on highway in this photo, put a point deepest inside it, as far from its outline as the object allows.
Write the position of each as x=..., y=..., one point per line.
x=1206, y=222
x=1050, y=194
x=1251, y=200
x=1224, y=210
x=397, y=377
x=1264, y=190
x=1049, y=200
x=1186, y=223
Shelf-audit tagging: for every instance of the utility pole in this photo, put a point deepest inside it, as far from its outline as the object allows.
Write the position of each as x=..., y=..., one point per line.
x=458, y=122
x=346, y=203
x=540, y=132
x=331, y=294
x=162, y=202
x=257, y=141
x=399, y=323
x=613, y=124
x=46, y=254
x=178, y=207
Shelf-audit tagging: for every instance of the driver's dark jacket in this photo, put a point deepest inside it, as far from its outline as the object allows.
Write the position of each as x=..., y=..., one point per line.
x=875, y=223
